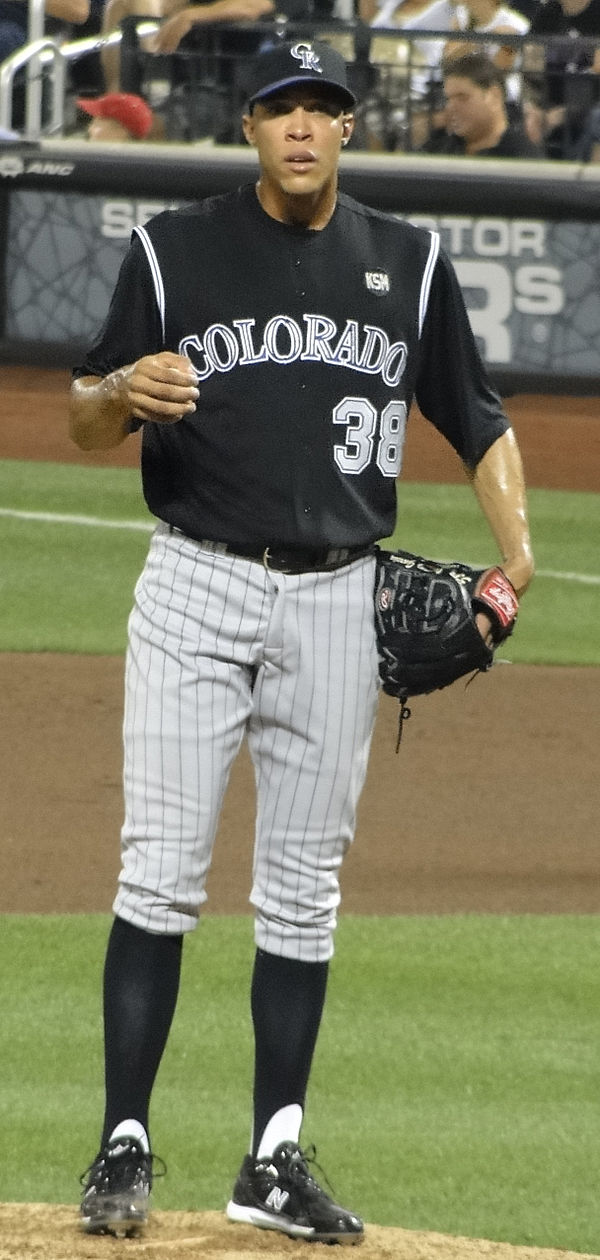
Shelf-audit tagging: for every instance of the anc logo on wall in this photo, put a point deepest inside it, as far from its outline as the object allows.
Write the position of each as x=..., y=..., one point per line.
x=12, y=166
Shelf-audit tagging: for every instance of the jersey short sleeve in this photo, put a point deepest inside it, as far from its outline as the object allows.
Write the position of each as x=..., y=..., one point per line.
x=133, y=326
x=453, y=389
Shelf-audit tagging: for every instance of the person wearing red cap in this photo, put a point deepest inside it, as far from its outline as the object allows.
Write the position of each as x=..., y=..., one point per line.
x=119, y=116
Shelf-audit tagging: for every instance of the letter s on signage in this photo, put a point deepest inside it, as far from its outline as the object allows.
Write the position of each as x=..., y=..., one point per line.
x=118, y=218
x=487, y=321
x=538, y=290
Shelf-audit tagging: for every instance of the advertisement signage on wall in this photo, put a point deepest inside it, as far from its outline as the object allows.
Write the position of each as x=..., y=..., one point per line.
x=532, y=288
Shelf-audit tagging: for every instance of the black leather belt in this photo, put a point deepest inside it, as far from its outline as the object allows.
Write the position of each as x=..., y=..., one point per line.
x=290, y=560
x=309, y=560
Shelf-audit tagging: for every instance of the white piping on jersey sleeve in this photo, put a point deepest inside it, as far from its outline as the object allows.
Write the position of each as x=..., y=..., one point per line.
x=434, y=250
x=155, y=272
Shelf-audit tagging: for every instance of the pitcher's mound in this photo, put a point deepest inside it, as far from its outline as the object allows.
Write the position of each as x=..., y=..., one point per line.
x=39, y=1231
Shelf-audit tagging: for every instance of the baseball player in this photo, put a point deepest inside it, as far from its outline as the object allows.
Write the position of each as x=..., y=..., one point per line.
x=269, y=342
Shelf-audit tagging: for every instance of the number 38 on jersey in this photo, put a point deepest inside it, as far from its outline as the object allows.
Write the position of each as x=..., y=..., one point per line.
x=369, y=435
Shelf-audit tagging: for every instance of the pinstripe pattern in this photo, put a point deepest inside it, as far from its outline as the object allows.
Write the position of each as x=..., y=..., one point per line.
x=220, y=646
x=309, y=735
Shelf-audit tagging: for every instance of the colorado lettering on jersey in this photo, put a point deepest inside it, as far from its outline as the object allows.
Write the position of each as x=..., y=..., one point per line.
x=364, y=348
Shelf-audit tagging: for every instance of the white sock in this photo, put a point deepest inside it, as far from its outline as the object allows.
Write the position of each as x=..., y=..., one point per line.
x=132, y=1129
x=284, y=1126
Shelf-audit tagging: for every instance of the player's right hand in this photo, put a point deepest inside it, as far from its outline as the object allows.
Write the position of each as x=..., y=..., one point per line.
x=161, y=387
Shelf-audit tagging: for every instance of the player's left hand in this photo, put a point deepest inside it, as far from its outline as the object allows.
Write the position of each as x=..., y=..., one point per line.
x=437, y=622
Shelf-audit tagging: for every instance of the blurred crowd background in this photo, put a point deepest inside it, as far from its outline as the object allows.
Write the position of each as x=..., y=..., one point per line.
x=477, y=77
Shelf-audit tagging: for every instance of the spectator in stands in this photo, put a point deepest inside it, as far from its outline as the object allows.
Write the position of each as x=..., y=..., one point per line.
x=14, y=20
x=480, y=16
x=121, y=116
x=424, y=85
x=492, y=17
x=476, y=118
x=487, y=17
x=180, y=19
x=563, y=81
x=190, y=16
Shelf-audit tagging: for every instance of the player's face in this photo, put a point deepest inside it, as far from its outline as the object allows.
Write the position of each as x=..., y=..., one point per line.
x=298, y=134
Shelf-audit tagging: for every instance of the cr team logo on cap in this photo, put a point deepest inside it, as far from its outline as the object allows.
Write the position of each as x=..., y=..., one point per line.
x=308, y=58
x=300, y=61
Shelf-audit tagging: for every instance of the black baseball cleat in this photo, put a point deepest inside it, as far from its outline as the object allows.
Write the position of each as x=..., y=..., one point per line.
x=280, y=1193
x=117, y=1188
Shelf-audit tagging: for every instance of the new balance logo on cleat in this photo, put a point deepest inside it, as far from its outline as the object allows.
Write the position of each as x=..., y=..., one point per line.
x=281, y=1193
x=277, y=1199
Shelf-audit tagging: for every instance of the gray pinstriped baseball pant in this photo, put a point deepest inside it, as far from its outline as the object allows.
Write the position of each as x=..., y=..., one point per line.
x=220, y=647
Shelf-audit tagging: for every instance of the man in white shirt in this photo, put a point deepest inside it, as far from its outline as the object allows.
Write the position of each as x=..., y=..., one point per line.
x=479, y=16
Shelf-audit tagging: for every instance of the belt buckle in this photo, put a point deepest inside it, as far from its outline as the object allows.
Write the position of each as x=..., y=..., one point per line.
x=265, y=559
x=267, y=555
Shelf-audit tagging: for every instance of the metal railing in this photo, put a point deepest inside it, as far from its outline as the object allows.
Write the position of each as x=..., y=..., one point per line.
x=44, y=59
x=31, y=57
x=35, y=33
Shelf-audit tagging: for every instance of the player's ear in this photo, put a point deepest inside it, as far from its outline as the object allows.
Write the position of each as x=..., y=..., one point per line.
x=248, y=128
x=347, y=127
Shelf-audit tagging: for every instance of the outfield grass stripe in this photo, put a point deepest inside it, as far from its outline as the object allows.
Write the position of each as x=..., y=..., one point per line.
x=588, y=579
x=146, y=527
x=60, y=518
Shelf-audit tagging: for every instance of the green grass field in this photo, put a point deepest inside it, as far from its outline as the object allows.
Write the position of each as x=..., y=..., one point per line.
x=73, y=542
x=455, y=1085
x=456, y=1082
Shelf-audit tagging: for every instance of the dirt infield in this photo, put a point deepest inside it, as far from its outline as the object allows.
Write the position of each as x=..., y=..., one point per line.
x=513, y=753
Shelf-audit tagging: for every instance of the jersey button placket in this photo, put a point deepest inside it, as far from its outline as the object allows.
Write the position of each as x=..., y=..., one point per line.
x=301, y=293
x=297, y=264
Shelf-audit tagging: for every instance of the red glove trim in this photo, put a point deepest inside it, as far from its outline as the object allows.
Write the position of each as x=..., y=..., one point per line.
x=497, y=592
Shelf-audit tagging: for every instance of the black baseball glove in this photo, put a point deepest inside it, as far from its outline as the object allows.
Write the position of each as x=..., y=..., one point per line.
x=425, y=613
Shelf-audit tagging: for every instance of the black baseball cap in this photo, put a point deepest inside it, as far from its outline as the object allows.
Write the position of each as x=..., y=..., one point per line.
x=301, y=61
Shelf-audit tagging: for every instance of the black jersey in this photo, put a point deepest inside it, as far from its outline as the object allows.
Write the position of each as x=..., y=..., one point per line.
x=309, y=347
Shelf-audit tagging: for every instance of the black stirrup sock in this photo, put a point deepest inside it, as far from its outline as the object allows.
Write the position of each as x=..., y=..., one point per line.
x=287, y=999
x=141, y=983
